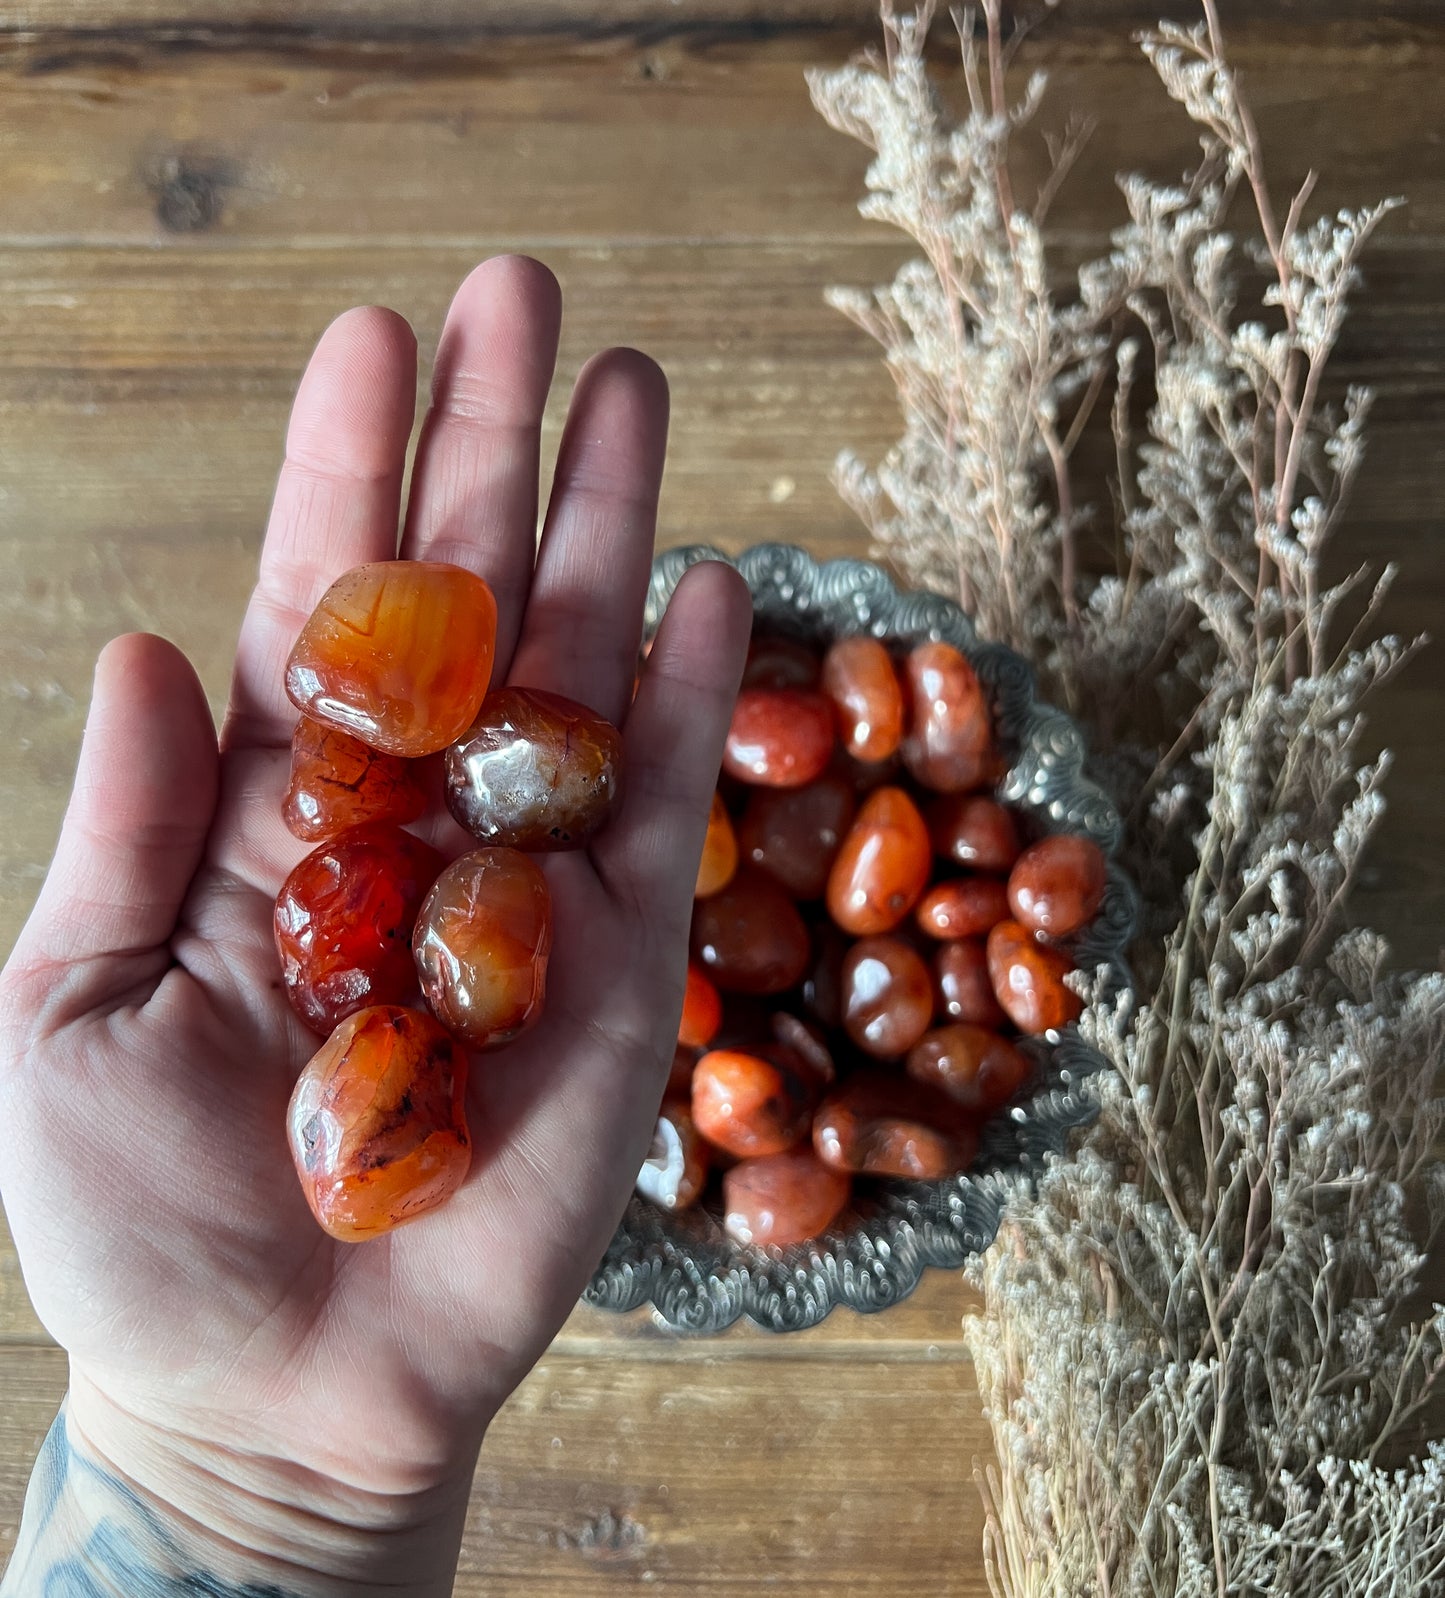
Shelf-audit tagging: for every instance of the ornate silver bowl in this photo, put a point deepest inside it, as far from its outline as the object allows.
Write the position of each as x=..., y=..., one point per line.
x=695, y=1276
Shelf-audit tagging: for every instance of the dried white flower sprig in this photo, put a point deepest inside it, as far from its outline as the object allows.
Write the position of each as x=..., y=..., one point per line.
x=1195, y=1349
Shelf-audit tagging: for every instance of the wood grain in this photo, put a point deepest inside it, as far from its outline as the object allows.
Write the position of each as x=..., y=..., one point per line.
x=753, y=18
x=323, y=142
x=601, y=1475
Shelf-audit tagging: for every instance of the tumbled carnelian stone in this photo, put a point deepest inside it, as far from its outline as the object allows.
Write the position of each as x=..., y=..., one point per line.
x=963, y=907
x=949, y=743
x=887, y=996
x=860, y=679
x=1028, y=979
x=775, y=662
x=339, y=782
x=808, y=1043
x=1057, y=884
x=794, y=834
x=701, y=1009
x=376, y=1122
x=534, y=771
x=398, y=653
x=749, y=938
x=961, y=984
x=877, y=1125
x=782, y=1199
x=344, y=920
x=481, y=945
x=974, y=831
x=976, y=1068
x=883, y=866
x=675, y=1171
x=757, y=1101
x=779, y=737
x=719, y=852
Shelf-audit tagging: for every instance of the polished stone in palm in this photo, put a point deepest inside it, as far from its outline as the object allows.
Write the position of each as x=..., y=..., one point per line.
x=534, y=771
x=376, y=1123
x=344, y=918
x=482, y=943
x=339, y=782
x=399, y=653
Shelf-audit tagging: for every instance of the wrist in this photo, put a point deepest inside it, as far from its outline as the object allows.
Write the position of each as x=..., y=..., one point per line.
x=140, y=1507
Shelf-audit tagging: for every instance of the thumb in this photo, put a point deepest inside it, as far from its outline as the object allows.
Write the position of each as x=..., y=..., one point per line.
x=144, y=796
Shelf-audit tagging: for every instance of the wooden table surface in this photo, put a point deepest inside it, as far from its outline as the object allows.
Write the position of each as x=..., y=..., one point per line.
x=189, y=190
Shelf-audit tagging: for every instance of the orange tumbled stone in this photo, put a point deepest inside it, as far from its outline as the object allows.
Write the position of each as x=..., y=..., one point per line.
x=758, y=1101
x=949, y=743
x=376, y=1122
x=859, y=678
x=782, y=1198
x=719, y=852
x=702, y=1009
x=1028, y=979
x=877, y=1125
x=1057, y=885
x=398, y=653
x=338, y=782
x=534, y=771
x=962, y=907
x=481, y=943
x=975, y=1067
x=882, y=867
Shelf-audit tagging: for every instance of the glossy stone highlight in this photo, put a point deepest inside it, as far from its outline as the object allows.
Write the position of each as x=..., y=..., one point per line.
x=398, y=653
x=782, y=1199
x=877, y=1125
x=883, y=866
x=949, y=743
x=887, y=996
x=794, y=834
x=339, y=782
x=779, y=737
x=482, y=942
x=376, y=1123
x=1057, y=885
x=978, y=1070
x=964, y=907
x=344, y=919
x=749, y=938
x=534, y=771
x=860, y=679
x=750, y=1102
x=962, y=988
x=1028, y=979
x=975, y=831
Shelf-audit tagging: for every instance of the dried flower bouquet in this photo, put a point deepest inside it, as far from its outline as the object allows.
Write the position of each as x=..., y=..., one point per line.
x=1197, y=1348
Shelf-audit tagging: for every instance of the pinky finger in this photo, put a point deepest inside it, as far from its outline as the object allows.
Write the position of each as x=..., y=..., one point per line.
x=674, y=739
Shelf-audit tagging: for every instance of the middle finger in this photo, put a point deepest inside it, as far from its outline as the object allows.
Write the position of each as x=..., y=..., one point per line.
x=474, y=485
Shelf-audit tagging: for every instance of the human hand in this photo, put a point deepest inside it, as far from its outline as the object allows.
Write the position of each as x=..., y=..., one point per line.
x=278, y=1402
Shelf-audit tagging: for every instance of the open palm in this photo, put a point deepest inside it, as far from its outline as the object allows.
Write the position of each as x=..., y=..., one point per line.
x=148, y=1051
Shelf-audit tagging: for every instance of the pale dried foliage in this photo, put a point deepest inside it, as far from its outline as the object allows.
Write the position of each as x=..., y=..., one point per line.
x=1196, y=1349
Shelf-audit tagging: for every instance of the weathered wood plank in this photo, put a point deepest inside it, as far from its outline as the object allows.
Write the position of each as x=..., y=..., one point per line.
x=588, y=17
x=130, y=140
x=601, y=1474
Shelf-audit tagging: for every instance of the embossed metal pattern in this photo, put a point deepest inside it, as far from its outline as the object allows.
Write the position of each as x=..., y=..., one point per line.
x=695, y=1277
